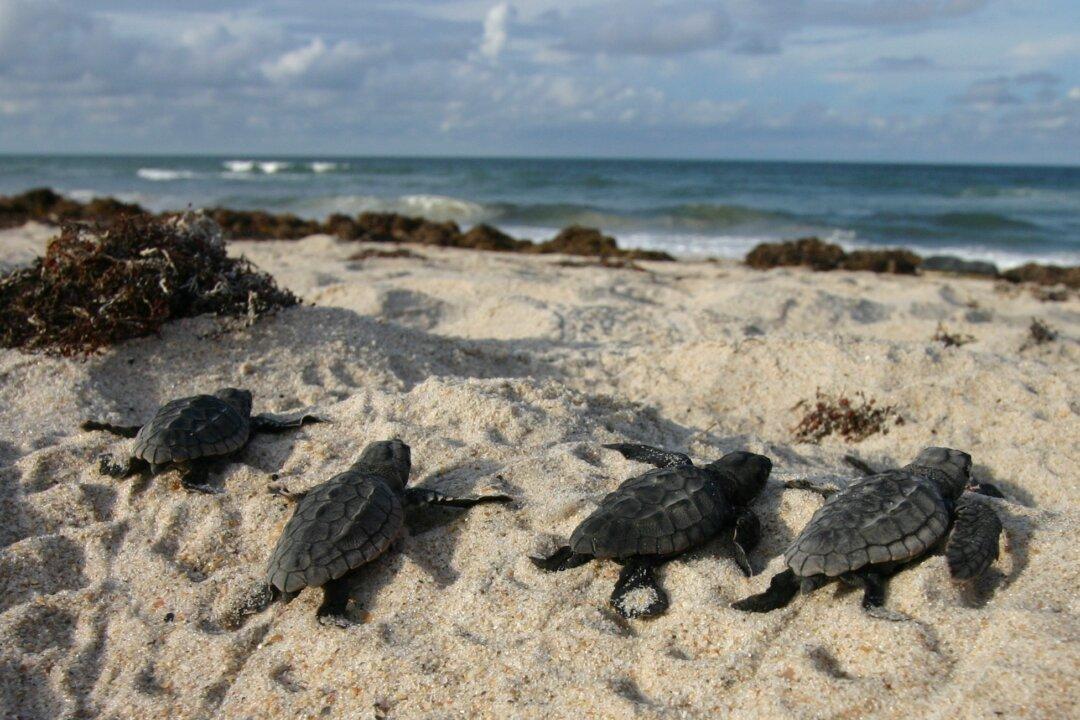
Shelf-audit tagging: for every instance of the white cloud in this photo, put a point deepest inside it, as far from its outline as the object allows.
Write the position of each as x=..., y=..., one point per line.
x=496, y=30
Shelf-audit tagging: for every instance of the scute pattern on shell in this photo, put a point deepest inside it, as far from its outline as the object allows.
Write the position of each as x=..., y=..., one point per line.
x=191, y=428
x=894, y=516
x=338, y=526
x=664, y=511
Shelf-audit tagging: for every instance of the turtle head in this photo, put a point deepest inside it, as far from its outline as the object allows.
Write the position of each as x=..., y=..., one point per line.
x=742, y=475
x=239, y=399
x=389, y=459
x=949, y=469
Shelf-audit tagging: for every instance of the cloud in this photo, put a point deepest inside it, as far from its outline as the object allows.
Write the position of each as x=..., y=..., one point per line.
x=909, y=63
x=496, y=24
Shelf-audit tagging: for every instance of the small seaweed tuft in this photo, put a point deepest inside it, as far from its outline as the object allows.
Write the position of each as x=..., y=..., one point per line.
x=1039, y=333
x=100, y=284
x=852, y=419
x=951, y=339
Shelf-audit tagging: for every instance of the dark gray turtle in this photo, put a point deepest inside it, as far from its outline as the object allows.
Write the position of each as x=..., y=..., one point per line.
x=348, y=521
x=866, y=532
x=652, y=518
x=188, y=433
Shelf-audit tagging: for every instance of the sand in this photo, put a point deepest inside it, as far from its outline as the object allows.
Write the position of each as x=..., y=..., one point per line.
x=125, y=599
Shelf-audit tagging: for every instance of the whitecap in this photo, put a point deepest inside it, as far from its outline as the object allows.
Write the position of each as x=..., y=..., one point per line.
x=239, y=166
x=271, y=167
x=324, y=167
x=164, y=175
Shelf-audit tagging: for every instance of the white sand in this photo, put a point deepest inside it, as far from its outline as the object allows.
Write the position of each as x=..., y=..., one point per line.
x=507, y=373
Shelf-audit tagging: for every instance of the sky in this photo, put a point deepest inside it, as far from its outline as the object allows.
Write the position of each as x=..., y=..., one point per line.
x=893, y=80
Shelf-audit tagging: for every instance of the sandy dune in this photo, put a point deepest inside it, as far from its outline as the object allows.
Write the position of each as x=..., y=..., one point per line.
x=124, y=599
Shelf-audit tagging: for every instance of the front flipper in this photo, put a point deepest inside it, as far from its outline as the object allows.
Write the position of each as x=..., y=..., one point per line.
x=823, y=490
x=193, y=478
x=562, y=559
x=987, y=489
x=637, y=575
x=128, y=431
x=266, y=423
x=648, y=454
x=423, y=496
x=973, y=544
x=782, y=589
x=108, y=465
x=747, y=536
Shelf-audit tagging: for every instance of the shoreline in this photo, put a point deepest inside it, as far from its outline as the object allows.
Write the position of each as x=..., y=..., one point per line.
x=45, y=206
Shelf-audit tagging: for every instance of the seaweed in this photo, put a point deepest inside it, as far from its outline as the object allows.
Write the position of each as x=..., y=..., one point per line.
x=103, y=283
x=853, y=420
x=1045, y=275
x=399, y=252
x=1039, y=333
x=951, y=339
x=809, y=252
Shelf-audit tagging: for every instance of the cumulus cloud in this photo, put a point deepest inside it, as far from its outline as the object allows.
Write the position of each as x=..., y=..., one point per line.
x=496, y=30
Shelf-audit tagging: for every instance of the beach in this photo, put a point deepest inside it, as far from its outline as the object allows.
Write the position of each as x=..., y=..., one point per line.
x=507, y=373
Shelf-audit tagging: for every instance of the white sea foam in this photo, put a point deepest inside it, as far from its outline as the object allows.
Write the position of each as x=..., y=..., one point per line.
x=432, y=207
x=324, y=167
x=165, y=175
x=270, y=167
x=239, y=166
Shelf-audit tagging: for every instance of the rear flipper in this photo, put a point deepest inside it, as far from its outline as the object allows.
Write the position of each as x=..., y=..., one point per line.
x=648, y=454
x=335, y=602
x=109, y=465
x=638, y=575
x=873, y=602
x=782, y=589
x=747, y=536
x=423, y=496
x=269, y=424
x=973, y=544
x=562, y=559
x=128, y=431
x=194, y=478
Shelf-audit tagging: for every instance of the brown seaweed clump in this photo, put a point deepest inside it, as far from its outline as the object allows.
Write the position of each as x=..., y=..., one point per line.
x=45, y=206
x=590, y=242
x=1045, y=275
x=951, y=339
x=808, y=252
x=814, y=253
x=853, y=420
x=1039, y=333
x=102, y=284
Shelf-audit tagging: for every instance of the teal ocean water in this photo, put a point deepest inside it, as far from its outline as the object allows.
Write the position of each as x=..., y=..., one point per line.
x=1008, y=214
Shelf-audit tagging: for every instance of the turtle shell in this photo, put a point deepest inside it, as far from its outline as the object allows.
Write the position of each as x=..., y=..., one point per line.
x=662, y=512
x=891, y=517
x=338, y=526
x=190, y=428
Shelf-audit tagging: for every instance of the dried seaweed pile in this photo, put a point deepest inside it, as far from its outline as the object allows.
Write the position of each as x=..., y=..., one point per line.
x=100, y=285
x=814, y=253
x=850, y=419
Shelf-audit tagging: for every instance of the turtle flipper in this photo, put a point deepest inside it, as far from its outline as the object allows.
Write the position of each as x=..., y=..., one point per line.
x=821, y=489
x=193, y=478
x=335, y=602
x=109, y=465
x=747, y=536
x=648, y=454
x=562, y=559
x=973, y=544
x=267, y=423
x=873, y=601
x=423, y=496
x=987, y=489
x=128, y=431
x=782, y=589
x=637, y=575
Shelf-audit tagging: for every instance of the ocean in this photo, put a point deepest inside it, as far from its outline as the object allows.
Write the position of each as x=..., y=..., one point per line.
x=1006, y=214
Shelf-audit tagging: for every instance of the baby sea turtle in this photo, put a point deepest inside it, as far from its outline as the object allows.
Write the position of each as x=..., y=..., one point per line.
x=652, y=518
x=348, y=521
x=866, y=532
x=189, y=433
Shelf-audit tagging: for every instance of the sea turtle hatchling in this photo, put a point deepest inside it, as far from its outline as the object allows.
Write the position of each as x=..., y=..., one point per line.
x=348, y=521
x=867, y=531
x=188, y=433
x=652, y=518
